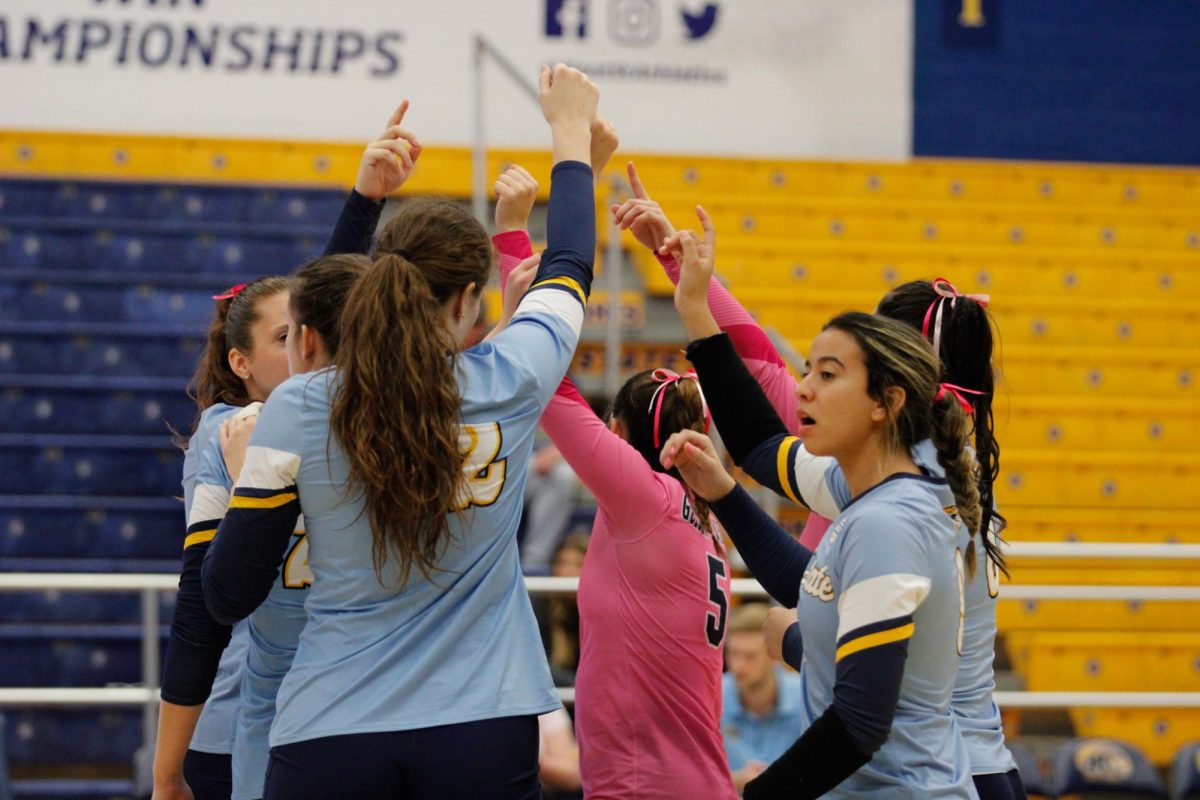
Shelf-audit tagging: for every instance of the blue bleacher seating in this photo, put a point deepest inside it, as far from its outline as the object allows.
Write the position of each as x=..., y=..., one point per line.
x=56, y=654
x=101, y=349
x=66, y=526
x=1105, y=766
x=69, y=464
x=49, y=736
x=74, y=404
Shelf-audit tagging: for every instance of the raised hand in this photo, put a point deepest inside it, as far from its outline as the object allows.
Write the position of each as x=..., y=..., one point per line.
x=642, y=216
x=696, y=256
x=569, y=103
x=388, y=161
x=604, y=143
x=516, y=191
x=693, y=454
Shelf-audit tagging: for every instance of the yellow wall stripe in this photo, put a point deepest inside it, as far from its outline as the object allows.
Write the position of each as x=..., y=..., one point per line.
x=570, y=283
x=781, y=464
x=274, y=501
x=199, y=537
x=875, y=639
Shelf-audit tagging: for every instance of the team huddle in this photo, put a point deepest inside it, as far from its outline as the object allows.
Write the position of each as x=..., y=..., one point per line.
x=352, y=619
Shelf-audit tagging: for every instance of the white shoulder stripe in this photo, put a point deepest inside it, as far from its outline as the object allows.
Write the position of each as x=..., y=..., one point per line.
x=266, y=468
x=809, y=472
x=877, y=599
x=209, y=501
x=554, y=302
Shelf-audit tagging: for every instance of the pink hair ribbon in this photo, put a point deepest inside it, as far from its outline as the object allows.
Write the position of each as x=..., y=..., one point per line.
x=666, y=377
x=230, y=293
x=945, y=290
x=958, y=393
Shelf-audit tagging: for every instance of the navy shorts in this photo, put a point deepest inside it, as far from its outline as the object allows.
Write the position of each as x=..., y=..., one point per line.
x=1000, y=786
x=208, y=775
x=492, y=758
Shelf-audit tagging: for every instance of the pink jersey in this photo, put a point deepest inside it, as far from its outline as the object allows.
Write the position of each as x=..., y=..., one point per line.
x=764, y=363
x=653, y=599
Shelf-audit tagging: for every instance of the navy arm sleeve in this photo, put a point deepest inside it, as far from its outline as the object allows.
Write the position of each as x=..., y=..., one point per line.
x=355, y=226
x=793, y=647
x=740, y=408
x=776, y=559
x=244, y=559
x=570, y=231
x=197, y=640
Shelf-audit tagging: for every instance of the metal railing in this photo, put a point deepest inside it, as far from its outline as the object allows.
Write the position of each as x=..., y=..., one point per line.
x=150, y=585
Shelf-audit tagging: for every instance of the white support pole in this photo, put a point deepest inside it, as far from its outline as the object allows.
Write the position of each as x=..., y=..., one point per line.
x=479, y=203
x=612, y=284
x=150, y=666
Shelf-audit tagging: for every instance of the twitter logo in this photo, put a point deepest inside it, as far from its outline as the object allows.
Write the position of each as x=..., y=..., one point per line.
x=700, y=25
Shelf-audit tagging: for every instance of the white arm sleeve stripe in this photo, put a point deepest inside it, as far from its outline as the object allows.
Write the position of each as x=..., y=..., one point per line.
x=266, y=468
x=808, y=472
x=554, y=302
x=881, y=598
x=208, y=502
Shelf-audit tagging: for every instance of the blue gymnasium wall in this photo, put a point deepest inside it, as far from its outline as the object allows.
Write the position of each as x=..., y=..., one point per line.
x=1064, y=80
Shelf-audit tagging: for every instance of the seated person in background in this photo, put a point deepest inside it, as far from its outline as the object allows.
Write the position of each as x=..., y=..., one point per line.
x=760, y=718
x=550, y=498
x=558, y=614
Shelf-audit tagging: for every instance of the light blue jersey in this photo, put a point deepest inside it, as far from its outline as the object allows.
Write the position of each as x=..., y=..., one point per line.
x=378, y=654
x=888, y=570
x=216, y=728
x=271, y=634
x=979, y=716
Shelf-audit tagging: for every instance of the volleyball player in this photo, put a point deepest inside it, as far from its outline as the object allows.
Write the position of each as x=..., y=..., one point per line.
x=420, y=672
x=960, y=329
x=654, y=591
x=244, y=359
x=880, y=600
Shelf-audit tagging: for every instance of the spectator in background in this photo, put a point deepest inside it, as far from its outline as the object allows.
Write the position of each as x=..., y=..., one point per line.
x=558, y=614
x=760, y=718
x=550, y=498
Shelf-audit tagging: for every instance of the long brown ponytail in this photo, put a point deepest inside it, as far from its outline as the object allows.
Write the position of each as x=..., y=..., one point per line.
x=214, y=380
x=397, y=408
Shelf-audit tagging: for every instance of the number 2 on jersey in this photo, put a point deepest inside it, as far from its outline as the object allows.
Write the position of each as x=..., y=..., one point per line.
x=714, y=624
x=296, y=572
x=485, y=475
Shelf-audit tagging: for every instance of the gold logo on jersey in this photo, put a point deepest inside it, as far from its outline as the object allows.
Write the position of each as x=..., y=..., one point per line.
x=817, y=583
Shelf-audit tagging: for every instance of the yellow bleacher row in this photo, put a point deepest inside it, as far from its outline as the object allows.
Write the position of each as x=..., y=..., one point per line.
x=1100, y=524
x=1022, y=319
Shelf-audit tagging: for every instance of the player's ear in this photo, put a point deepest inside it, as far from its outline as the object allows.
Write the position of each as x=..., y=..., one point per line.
x=239, y=364
x=309, y=342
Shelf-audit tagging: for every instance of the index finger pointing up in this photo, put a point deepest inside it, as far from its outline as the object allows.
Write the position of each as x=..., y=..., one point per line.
x=397, y=116
x=635, y=183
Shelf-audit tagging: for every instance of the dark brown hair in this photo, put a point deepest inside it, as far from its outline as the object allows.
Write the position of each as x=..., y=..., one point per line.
x=682, y=409
x=899, y=356
x=318, y=294
x=214, y=380
x=965, y=360
x=397, y=407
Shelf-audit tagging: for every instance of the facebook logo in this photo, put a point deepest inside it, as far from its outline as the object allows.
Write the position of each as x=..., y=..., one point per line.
x=566, y=18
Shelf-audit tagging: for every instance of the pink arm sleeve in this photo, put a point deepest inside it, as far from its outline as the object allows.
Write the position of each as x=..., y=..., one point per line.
x=614, y=472
x=634, y=496
x=751, y=343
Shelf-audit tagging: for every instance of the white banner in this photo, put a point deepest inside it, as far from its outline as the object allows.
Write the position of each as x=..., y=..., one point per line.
x=824, y=78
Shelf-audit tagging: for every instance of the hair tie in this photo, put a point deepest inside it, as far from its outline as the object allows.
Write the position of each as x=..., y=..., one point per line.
x=665, y=377
x=958, y=393
x=945, y=290
x=399, y=251
x=230, y=293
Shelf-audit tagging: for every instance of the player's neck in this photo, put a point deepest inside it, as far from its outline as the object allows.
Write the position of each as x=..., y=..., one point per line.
x=872, y=463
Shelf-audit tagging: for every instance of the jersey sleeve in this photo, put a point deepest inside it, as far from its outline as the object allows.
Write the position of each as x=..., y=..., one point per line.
x=244, y=559
x=885, y=574
x=355, y=225
x=196, y=639
x=626, y=486
x=544, y=331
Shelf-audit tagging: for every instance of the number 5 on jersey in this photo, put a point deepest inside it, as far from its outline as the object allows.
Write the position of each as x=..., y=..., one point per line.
x=485, y=475
x=714, y=624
